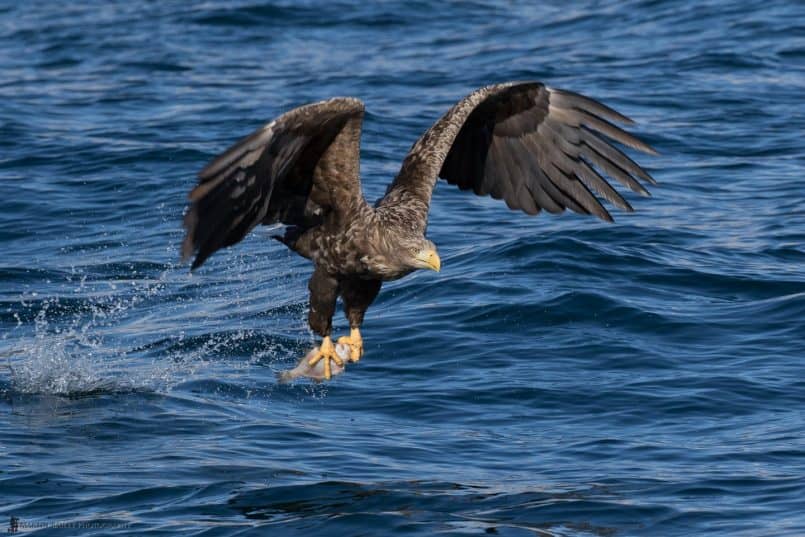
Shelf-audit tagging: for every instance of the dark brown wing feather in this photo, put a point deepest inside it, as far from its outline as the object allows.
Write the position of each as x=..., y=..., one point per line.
x=297, y=170
x=532, y=146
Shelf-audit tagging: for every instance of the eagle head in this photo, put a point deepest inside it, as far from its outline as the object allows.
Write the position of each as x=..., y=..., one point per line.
x=422, y=255
x=394, y=256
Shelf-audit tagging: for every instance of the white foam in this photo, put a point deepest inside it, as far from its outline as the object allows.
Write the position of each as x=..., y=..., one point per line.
x=72, y=354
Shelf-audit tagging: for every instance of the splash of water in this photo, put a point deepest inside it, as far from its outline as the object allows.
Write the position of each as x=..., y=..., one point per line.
x=76, y=355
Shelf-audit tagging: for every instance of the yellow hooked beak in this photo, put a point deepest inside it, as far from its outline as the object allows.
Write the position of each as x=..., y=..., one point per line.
x=430, y=259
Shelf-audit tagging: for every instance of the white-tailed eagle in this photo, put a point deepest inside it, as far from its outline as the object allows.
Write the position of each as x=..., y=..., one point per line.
x=533, y=146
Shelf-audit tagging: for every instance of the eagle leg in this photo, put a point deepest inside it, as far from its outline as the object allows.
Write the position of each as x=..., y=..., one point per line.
x=358, y=295
x=326, y=352
x=323, y=294
x=354, y=342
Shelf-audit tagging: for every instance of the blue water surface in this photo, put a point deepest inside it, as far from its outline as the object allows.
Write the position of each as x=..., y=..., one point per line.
x=560, y=377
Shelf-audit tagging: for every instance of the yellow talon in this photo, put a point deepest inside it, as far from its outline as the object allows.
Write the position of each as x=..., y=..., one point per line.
x=355, y=343
x=327, y=352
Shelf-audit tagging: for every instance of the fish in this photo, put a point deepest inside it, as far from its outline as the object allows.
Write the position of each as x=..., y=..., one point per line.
x=315, y=372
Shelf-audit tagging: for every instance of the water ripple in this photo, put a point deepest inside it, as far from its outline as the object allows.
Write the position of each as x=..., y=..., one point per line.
x=560, y=376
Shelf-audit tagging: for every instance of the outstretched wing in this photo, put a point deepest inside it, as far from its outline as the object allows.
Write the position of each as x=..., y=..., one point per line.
x=299, y=169
x=533, y=146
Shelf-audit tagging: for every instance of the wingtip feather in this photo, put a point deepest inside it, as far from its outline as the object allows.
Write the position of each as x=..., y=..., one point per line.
x=587, y=104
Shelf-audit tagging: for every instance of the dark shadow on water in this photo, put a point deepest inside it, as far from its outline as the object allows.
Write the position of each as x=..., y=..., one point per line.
x=441, y=507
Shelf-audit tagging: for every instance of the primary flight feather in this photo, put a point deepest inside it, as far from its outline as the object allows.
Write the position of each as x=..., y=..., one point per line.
x=533, y=146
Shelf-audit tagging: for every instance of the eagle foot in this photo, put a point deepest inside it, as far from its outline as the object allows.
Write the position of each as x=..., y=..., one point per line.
x=355, y=343
x=326, y=352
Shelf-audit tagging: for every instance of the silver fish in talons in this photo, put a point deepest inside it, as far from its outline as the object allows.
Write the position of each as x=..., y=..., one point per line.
x=315, y=372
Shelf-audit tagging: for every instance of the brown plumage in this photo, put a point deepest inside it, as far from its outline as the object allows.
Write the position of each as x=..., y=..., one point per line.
x=533, y=146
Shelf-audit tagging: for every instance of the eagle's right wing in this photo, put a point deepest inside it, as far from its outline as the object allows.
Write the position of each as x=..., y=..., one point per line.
x=297, y=170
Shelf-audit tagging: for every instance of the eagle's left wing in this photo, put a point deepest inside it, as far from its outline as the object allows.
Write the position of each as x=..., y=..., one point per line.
x=533, y=146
